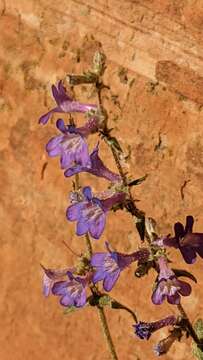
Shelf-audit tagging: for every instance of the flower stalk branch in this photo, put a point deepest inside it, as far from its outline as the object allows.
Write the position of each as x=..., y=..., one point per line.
x=189, y=325
x=107, y=334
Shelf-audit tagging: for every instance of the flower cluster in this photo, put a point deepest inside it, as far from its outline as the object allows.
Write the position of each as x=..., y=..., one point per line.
x=89, y=211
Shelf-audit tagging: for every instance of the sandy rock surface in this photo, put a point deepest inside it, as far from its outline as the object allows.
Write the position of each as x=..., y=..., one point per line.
x=155, y=104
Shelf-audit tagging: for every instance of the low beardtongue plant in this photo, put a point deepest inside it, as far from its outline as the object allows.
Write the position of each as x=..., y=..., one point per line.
x=90, y=281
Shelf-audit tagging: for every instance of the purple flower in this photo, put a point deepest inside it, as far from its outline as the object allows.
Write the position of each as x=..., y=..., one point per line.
x=165, y=344
x=144, y=330
x=96, y=167
x=168, y=286
x=189, y=243
x=65, y=104
x=73, y=291
x=71, y=145
x=108, y=266
x=90, y=213
x=50, y=277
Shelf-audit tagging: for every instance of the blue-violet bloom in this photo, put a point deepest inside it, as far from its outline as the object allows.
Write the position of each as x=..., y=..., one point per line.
x=72, y=291
x=90, y=213
x=96, y=167
x=108, y=265
x=65, y=104
x=168, y=286
x=144, y=330
x=71, y=146
x=165, y=344
x=50, y=277
x=189, y=243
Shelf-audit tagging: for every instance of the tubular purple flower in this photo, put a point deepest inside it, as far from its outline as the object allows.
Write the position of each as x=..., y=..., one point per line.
x=144, y=330
x=65, y=104
x=165, y=344
x=50, y=277
x=90, y=213
x=168, y=286
x=108, y=265
x=189, y=243
x=73, y=291
x=71, y=146
x=96, y=167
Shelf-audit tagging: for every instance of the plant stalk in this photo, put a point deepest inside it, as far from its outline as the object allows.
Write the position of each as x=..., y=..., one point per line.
x=188, y=324
x=107, y=334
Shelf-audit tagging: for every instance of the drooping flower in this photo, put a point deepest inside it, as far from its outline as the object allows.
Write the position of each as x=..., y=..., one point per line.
x=144, y=330
x=108, y=265
x=168, y=286
x=72, y=291
x=65, y=104
x=50, y=277
x=96, y=167
x=189, y=243
x=165, y=344
x=90, y=213
x=71, y=146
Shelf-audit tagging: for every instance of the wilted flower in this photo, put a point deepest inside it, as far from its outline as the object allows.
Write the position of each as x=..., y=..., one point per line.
x=144, y=330
x=71, y=146
x=189, y=243
x=95, y=167
x=109, y=265
x=65, y=104
x=90, y=213
x=72, y=291
x=50, y=277
x=164, y=345
x=168, y=286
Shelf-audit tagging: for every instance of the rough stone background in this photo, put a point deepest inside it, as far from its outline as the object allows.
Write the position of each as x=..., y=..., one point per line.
x=155, y=71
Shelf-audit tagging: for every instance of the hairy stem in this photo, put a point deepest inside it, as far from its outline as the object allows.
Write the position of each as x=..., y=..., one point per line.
x=107, y=334
x=88, y=245
x=188, y=324
x=130, y=204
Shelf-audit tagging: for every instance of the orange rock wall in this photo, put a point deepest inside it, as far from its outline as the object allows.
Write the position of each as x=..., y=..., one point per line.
x=157, y=115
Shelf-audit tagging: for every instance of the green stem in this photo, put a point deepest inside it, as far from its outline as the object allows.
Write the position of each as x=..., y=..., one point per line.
x=107, y=334
x=88, y=245
x=188, y=324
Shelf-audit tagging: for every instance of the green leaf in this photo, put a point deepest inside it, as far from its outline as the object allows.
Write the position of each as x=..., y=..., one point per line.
x=138, y=181
x=70, y=309
x=197, y=350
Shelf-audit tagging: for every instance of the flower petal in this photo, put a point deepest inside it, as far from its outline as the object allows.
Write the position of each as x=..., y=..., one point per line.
x=61, y=126
x=87, y=192
x=81, y=228
x=44, y=118
x=97, y=259
x=188, y=254
x=53, y=147
x=47, y=285
x=81, y=300
x=158, y=296
x=73, y=211
x=179, y=230
x=110, y=280
x=60, y=288
x=66, y=159
x=174, y=299
x=96, y=227
x=185, y=288
x=98, y=275
x=189, y=223
x=66, y=300
x=74, y=170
